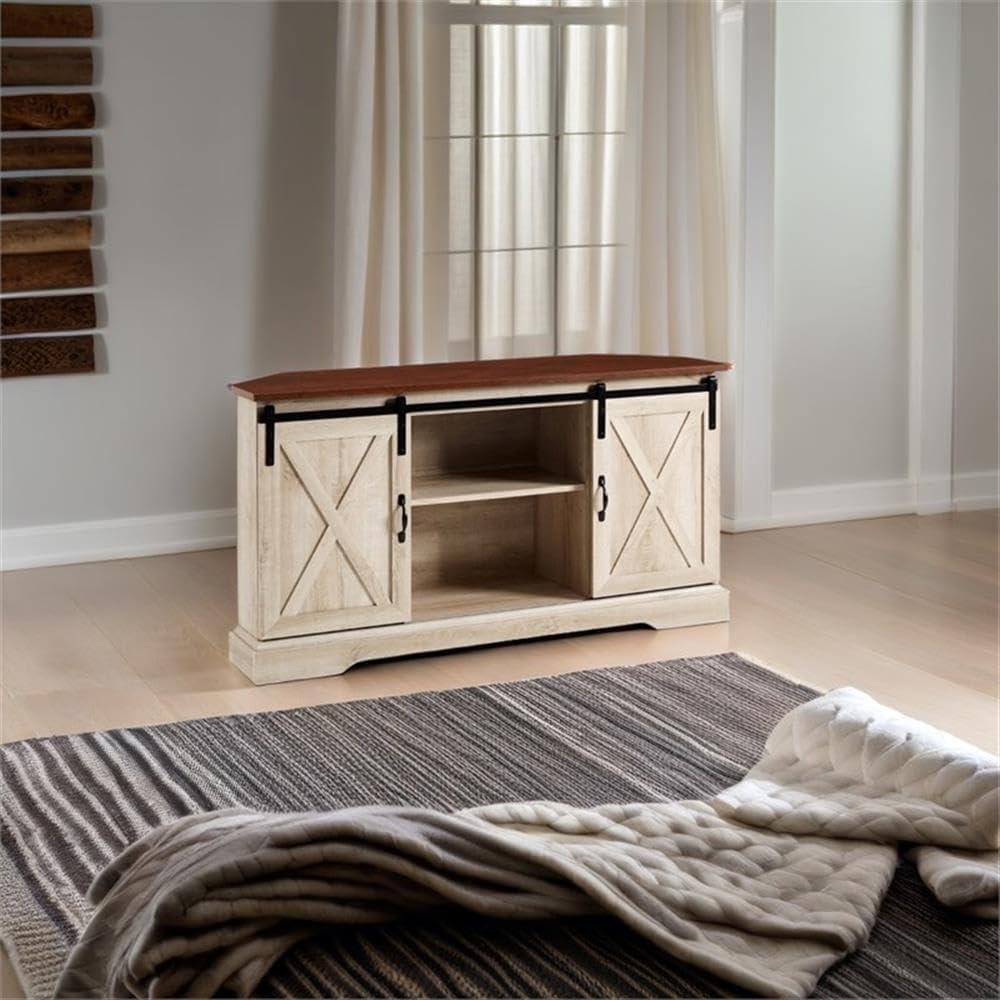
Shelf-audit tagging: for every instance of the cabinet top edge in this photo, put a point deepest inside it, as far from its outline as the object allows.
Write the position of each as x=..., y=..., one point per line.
x=401, y=379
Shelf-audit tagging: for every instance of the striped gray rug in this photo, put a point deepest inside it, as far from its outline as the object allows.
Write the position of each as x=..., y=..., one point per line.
x=683, y=729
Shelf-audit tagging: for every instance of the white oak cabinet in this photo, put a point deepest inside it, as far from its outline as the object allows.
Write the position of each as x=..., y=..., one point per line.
x=389, y=511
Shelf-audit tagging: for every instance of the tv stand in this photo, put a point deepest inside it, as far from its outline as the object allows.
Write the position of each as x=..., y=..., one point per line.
x=390, y=511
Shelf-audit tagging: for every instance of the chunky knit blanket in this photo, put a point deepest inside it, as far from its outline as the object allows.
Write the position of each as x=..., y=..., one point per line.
x=767, y=884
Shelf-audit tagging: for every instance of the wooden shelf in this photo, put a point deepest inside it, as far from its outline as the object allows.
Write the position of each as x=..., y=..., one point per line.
x=479, y=597
x=488, y=484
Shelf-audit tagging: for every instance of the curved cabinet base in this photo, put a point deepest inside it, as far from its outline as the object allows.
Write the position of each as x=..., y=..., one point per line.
x=270, y=660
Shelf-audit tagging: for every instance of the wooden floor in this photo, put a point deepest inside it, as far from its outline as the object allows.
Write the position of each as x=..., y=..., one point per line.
x=903, y=607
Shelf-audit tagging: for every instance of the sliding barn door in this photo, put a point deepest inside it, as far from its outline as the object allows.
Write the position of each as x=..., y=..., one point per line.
x=330, y=519
x=655, y=478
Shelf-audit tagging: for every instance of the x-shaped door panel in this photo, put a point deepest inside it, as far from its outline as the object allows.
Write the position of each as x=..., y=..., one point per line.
x=330, y=556
x=336, y=534
x=656, y=459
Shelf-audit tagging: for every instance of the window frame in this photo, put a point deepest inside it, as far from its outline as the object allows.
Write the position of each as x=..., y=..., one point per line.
x=557, y=17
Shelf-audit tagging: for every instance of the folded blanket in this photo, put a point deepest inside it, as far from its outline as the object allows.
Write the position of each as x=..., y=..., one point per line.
x=767, y=884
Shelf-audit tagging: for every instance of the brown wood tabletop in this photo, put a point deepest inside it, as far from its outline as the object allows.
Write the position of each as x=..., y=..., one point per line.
x=47, y=314
x=37, y=20
x=391, y=381
x=46, y=355
x=30, y=272
x=46, y=152
x=46, y=66
x=46, y=194
x=45, y=235
x=23, y=112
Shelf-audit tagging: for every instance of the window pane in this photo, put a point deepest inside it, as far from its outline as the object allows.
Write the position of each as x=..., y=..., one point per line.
x=514, y=79
x=448, y=193
x=515, y=312
x=593, y=89
x=449, y=63
x=590, y=189
x=587, y=279
x=515, y=200
x=462, y=68
x=448, y=299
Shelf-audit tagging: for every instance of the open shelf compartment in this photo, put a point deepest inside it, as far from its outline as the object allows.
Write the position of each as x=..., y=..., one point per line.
x=497, y=454
x=500, y=510
x=506, y=555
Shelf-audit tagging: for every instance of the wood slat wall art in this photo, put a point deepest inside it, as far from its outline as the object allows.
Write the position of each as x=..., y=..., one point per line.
x=21, y=112
x=45, y=235
x=32, y=272
x=46, y=194
x=47, y=252
x=47, y=314
x=47, y=152
x=36, y=20
x=46, y=355
x=46, y=66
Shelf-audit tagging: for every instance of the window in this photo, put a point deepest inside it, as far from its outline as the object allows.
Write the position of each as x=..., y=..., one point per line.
x=524, y=151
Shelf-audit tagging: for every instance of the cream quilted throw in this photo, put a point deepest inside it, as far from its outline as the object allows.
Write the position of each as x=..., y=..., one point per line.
x=766, y=885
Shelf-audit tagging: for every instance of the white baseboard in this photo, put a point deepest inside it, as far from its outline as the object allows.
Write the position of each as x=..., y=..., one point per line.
x=123, y=538
x=977, y=490
x=881, y=498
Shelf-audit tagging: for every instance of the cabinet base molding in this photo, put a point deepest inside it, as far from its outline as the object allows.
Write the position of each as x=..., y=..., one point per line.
x=271, y=660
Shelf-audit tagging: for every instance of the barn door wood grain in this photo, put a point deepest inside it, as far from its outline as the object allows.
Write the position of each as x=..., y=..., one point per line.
x=330, y=526
x=655, y=477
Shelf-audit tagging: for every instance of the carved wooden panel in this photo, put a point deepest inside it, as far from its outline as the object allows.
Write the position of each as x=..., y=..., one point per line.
x=46, y=194
x=660, y=466
x=30, y=272
x=46, y=355
x=46, y=66
x=328, y=523
x=46, y=152
x=45, y=235
x=47, y=313
x=36, y=20
x=20, y=112
x=41, y=254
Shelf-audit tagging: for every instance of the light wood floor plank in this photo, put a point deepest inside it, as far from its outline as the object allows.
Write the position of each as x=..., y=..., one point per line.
x=14, y=723
x=904, y=607
x=50, y=643
x=964, y=585
x=923, y=633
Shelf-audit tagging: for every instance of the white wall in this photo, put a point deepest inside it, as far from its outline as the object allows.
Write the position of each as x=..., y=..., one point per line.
x=840, y=338
x=975, y=422
x=216, y=143
x=874, y=389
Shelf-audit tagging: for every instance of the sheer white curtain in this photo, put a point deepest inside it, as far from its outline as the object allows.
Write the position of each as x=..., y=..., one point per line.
x=378, y=183
x=674, y=274
x=527, y=179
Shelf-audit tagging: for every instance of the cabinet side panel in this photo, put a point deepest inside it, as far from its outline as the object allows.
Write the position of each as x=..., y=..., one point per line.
x=246, y=515
x=711, y=489
x=400, y=552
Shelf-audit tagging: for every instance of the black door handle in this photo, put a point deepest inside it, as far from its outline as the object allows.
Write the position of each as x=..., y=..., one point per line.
x=605, y=498
x=401, y=504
